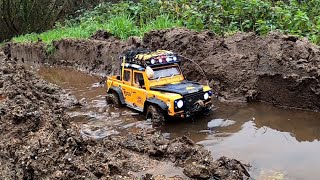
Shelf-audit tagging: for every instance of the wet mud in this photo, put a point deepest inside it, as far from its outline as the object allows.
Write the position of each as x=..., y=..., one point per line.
x=38, y=141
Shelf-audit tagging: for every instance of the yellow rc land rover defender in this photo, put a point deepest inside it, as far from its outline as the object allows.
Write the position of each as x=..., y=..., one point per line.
x=152, y=83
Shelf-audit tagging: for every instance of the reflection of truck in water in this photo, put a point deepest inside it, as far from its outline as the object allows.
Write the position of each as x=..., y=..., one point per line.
x=152, y=83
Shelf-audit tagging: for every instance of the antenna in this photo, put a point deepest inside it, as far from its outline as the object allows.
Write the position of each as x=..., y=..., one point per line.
x=203, y=73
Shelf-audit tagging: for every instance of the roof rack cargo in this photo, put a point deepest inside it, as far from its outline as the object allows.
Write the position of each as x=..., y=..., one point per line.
x=145, y=57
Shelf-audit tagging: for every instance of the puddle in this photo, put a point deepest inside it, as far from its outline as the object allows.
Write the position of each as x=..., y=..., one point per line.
x=277, y=142
x=96, y=120
x=220, y=123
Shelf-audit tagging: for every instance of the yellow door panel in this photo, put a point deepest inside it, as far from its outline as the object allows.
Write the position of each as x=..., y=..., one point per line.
x=139, y=97
x=126, y=90
x=126, y=86
x=139, y=94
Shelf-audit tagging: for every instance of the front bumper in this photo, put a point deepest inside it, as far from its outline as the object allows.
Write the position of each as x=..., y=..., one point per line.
x=195, y=109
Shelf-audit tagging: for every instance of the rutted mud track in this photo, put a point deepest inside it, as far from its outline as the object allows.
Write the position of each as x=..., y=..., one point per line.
x=279, y=69
x=39, y=142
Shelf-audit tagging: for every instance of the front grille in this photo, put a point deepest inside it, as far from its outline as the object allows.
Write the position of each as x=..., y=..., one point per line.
x=190, y=99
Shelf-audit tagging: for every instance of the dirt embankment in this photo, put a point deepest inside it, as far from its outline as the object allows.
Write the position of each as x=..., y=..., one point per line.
x=279, y=69
x=39, y=142
x=99, y=55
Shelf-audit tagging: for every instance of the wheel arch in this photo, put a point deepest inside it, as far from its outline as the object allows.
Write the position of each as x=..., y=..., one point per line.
x=153, y=101
x=119, y=92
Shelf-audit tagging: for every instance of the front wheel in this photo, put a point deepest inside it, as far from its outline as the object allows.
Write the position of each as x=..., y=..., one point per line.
x=113, y=99
x=156, y=115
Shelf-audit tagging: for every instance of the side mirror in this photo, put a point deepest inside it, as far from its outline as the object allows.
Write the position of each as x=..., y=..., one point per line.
x=141, y=82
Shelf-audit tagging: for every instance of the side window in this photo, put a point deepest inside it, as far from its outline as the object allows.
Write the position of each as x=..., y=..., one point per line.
x=137, y=76
x=126, y=76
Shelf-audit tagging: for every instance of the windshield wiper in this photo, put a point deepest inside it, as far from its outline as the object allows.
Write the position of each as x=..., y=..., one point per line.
x=172, y=75
x=159, y=78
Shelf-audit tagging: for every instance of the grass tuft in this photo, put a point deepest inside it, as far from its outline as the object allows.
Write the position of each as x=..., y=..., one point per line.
x=161, y=22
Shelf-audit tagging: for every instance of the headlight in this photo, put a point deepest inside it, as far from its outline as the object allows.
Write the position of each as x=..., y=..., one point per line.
x=206, y=96
x=175, y=58
x=180, y=104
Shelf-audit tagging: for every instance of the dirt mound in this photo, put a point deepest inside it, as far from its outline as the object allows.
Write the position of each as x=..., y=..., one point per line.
x=39, y=142
x=279, y=69
x=91, y=55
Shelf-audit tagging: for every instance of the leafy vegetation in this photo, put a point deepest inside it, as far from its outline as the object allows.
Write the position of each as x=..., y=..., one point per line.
x=124, y=19
x=27, y=16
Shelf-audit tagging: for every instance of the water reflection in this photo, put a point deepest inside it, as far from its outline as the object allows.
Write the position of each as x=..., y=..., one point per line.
x=303, y=125
x=267, y=149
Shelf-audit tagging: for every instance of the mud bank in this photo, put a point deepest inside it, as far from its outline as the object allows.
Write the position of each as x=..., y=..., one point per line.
x=39, y=142
x=99, y=55
x=278, y=69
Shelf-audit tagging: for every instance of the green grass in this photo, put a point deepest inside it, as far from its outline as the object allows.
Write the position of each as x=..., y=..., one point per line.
x=121, y=26
x=47, y=37
x=2, y=44
x=161, y=22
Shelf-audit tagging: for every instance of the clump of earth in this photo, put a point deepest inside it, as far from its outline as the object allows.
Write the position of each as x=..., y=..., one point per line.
x=39, y=142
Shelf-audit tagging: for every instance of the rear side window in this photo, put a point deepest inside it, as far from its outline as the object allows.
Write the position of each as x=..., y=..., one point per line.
x=137, y=76
x=126, y=76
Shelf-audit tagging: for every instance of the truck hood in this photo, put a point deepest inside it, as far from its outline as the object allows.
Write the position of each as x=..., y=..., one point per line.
x=182, y=88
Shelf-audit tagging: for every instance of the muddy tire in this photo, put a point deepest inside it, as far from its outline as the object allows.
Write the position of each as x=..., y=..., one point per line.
x=156, y=115
x=113, y=99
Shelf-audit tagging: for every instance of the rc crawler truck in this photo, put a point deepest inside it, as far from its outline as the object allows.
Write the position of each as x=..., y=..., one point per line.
x=152, y=83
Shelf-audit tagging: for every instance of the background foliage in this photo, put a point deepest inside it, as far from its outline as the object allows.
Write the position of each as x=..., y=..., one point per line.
x=26, y=16
x=127, y=18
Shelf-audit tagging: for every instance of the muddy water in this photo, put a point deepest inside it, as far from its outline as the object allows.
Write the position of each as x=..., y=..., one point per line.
x=95, y=118
x=277, y=142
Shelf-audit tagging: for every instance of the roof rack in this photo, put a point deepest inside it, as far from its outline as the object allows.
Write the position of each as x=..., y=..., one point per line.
x=130, y=54
x=145, y=57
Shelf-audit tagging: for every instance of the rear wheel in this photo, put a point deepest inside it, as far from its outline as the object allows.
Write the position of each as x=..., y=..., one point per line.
x=156, y=115
x=113, y=99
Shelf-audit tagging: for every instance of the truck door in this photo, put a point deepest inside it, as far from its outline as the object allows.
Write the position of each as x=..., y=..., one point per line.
x=126, y=86
x=138, y=90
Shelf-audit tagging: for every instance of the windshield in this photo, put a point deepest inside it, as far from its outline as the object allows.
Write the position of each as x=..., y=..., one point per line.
x=166, y=72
